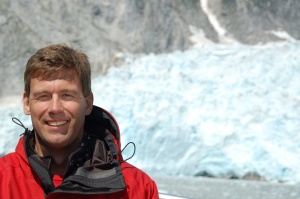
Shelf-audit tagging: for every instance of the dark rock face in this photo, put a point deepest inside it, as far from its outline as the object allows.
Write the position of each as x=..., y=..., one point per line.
x=105, y=29
x=252, y=21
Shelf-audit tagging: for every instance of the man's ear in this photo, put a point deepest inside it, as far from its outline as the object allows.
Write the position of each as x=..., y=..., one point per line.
x=89, y=103
x=26, y=107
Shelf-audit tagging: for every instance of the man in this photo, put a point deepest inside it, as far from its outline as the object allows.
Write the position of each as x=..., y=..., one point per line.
x=73, y=150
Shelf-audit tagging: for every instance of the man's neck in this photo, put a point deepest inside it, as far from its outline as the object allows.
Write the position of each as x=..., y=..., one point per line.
x=59, y=166
x=59, y=158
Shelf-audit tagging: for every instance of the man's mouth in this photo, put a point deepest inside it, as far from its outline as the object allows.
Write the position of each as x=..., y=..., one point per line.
x=57, y=123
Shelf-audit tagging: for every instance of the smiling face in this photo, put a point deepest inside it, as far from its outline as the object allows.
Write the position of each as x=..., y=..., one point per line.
x=58, y=109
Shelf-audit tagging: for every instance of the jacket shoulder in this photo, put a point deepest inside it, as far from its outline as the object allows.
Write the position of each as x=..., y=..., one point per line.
x=16, y=179
x=138, y=182
x=12, y=164
x=9, y=160
x=132, y=171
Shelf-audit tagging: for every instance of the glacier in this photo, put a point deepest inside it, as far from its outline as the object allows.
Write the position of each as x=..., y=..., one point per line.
x=218, y=110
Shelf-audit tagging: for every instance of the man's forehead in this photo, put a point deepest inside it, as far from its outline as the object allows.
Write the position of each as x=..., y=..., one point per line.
x=39, y=86
x=69, y=75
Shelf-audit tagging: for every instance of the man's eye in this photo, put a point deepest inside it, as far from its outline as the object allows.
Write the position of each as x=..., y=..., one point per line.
x=44, y=97
x=67, y=96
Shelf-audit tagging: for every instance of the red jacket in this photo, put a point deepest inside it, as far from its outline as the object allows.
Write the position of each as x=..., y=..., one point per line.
x=23, y=175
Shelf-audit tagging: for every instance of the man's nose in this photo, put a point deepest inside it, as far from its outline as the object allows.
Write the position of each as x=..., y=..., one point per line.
x=55, y=105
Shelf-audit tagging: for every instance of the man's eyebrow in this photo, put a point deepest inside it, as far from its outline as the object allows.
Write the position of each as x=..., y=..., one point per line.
x=37, y=93
x=69, y=91
x=41, y=92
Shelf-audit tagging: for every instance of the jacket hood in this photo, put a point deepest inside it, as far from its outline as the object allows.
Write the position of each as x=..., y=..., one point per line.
x=101, y=118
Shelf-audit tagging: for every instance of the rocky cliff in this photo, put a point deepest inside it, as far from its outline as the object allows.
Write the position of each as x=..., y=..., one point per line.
x=107, y=29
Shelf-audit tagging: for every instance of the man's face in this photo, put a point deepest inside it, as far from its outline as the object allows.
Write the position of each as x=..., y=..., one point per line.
x=57, y=108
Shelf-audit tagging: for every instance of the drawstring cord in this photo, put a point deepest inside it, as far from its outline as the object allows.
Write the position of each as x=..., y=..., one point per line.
x=134, y=148
x=18, y=122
